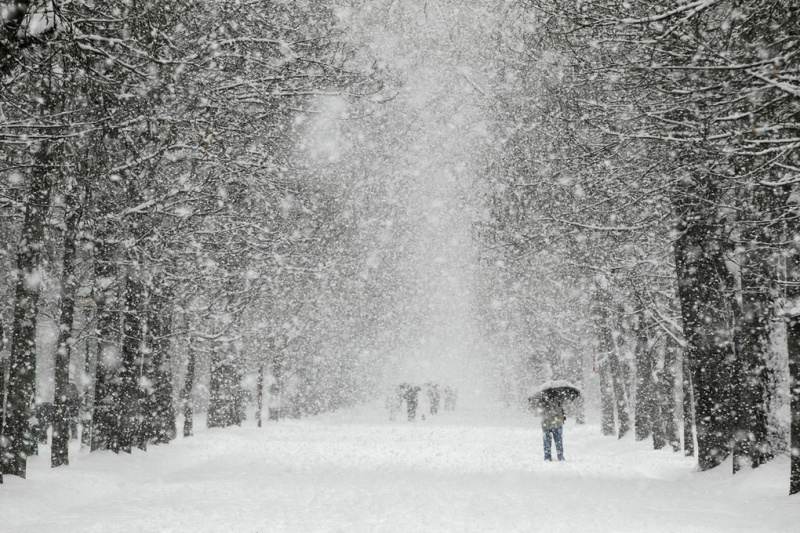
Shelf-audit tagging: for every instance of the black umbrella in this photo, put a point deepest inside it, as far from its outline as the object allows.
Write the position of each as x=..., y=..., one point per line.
x=558, y=391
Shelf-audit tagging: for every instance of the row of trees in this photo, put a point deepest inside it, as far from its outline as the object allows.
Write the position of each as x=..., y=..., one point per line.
x=151, y=178
x=651, y=162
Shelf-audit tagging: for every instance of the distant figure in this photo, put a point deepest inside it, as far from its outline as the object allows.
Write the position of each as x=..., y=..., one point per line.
x=411, y=397
x=552, y=414
x=433, y=397
x=394, y=401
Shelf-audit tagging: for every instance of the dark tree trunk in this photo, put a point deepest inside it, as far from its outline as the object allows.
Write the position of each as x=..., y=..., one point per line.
x=105, y=413
x=793, y=343
x=188, y=387
x=793, y=348
x=21, y=386
x=688, y=409
x=223, y=403
x=260, y=394
x=3, y=370
x=666, y=385
x=131, y=364
x=612, y=391
x=620, y=395
x=158, y=403
x=752, y=342
x=752, y=336
x=703, y=281
x=648, y=391
x=88, y=384
x=643, y=423
x=61, y=413
x=606, y=398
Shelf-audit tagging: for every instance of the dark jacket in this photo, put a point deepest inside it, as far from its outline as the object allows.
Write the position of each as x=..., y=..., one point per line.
x=552, y=416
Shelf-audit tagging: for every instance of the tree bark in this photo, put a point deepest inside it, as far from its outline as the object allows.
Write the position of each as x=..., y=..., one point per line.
x=131, y=363
x=793, y=349
x=620, y=396
x=188, y=387
x=3, y=370
x=606, y=400
x=643, y=422
x=666, y=384
x=751, y=338
x=793, y=344
x=260, y=395
x=612, y=391
x=59, y=453
x=223, y=404
x=703, y=280
x=158, y=404
x=21, y=386
x=688, y=409
x=105, y=416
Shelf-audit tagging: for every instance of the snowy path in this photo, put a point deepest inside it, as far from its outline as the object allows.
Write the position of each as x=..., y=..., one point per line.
x=465, y=471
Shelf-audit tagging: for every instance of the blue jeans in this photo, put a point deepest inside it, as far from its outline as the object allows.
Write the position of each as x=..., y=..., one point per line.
x=557, y=437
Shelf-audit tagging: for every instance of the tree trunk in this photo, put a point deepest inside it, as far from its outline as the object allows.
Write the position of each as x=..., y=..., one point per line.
x=105, y=416
x=131, y=364
x=666, y=384
x=688, y=409
x=643, y=422
x=608, y=365
x=61, y=409
x=260, y=394
x=21, y=386
x=793, y=348
x=223, y=403
x=752, y=336
x=3, y=370
x=703, y=279
x=620, y=396
x=158, y=405
x=793, y=344
x=752, y=340
x=186, y=393
x=606, y=399
x=88, y=383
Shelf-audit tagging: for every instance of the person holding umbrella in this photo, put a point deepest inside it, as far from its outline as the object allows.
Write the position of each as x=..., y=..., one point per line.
x=549, y=403
x=552, y=413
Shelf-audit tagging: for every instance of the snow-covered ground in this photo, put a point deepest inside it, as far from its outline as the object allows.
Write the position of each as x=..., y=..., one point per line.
x=469, y=470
